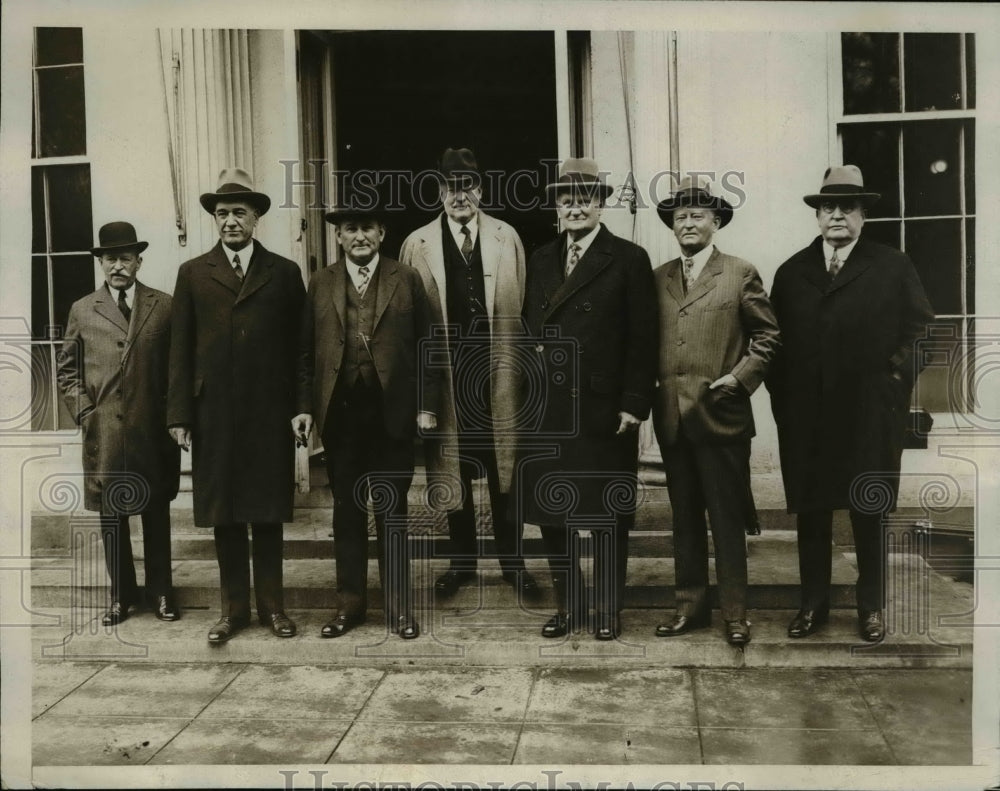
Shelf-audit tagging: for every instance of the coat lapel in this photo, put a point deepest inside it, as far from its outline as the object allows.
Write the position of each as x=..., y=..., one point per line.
x=338, y=278
x=222, y=270
x=675, y=280
x=707, y=280
x=258, y=274
x=490, y=248
x=142, y=307
x=432, y=251
x=387, y=281
x=597, y=257
x=105, y=306
x=814, y=267
x=857, y=263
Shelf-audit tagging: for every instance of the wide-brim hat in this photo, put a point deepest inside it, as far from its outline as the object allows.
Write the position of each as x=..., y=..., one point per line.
x=458, y=166
x=355, y=203
x=117, y=236
x=583, y=174
x=235, y=184
x=842, y=182
x=696, y=192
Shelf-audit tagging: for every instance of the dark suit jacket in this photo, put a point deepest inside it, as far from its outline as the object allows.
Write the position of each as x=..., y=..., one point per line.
x=232, y=380
x=724, y=325
x=117, y=371
x=840, y=408
x=402, y=320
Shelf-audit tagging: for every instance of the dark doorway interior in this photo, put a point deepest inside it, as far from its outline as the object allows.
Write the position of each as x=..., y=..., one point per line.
x=401, y=98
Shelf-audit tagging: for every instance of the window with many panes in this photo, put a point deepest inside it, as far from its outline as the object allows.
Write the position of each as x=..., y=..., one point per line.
x=62, y=269
x=906, y=117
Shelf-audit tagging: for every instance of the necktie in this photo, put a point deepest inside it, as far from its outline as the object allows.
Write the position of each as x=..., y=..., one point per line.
x=466, y=243
x=237, y=268
x=365, y=272
x=123, y=305
x=834, y=265
x=688, y=274
x=574, y=258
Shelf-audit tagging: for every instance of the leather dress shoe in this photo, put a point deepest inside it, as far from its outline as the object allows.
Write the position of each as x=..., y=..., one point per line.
x=871, y=626
x=448, y=583
x=166, y=609
x=682, y=624
x=280, y=624
x=522, y=581
x=561, y=624
x=117, y=613
x=608, y=627
x=407, y=627
x=341, y=624
x=225, y=629
x=808, y=621
x=737, y=633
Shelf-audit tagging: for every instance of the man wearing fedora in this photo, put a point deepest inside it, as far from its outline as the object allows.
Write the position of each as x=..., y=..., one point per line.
x=850, y=311
x=232, y=398
x=590, y=315
x=364, y=318
x=112, y=370
x=717, y=335
x=472, y=266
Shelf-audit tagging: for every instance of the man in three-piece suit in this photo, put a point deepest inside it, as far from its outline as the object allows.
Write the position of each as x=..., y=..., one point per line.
x=590, y=314
x=232, y=396
x=360, y=379
x=472, y=266
x=850, y=311
x=717, y=336
x=112, y=370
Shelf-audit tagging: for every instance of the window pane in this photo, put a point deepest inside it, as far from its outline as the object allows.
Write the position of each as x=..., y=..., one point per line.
x=970, y=266
x=38, y=211
x=875, y=149
x=70, y=216
x=72, y=278
x=932, y=169
x=871, y=72
x=932, y=71
x=935, y=247
x=970, y=71
x=943, y=384
x=61, y=112
x=970, y=167
x=40, y=319
x=886, y=232
x=54, y=45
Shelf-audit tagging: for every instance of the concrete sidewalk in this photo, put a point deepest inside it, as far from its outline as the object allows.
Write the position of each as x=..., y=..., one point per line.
x=97, y=713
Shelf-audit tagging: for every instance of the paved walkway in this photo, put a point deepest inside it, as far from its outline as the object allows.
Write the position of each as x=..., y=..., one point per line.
x=100, y=713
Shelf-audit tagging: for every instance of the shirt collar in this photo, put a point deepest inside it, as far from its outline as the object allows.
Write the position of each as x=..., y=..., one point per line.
x=701, y=257
x=584, y=243
x=353, y=268
x=842, y=252
x=456, y=229
x=129, y=293
x=245, y=254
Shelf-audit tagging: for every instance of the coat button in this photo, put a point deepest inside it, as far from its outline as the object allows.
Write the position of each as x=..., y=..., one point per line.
x=683, y=314
x=572, y=392
x=540, y=348
x=680, y=342
x=121, y=344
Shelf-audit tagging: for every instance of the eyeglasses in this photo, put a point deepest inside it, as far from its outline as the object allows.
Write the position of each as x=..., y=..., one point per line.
x=850, y=207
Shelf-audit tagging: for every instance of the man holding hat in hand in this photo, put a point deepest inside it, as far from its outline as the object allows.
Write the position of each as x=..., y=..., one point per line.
x=365, y=316
x=232, y=397
x=717, y=335
x=112, y=370
x=850, y=311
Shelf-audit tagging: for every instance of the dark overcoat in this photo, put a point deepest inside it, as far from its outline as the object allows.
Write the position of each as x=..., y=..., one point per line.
x=591, y=353
x=117, y=371
x=232, y=381
x=840, y=385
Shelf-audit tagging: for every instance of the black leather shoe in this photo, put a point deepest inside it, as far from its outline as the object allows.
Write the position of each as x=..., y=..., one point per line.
x=341, y=624
x=522, y=581
x=871, y=626
x=561, y=624
x=117, y=613
x=608, y=627
x=407, y=627
x=737, y=633
x=280, y=624
x=682, y=624
x=226, y=629
x=807, y=622
x=166, y=610
x=448, y=583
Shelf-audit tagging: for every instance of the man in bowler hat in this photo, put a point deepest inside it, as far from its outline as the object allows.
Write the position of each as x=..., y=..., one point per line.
x=112, y=370
x=850, y=311
x=232, y=397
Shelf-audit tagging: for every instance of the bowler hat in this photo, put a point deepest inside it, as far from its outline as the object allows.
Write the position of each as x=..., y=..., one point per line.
x=235, y=184
x=458, y=166
x=842, y=182
x=694, y=192
x=358, y=201
x=582, y=174
x=117, y=236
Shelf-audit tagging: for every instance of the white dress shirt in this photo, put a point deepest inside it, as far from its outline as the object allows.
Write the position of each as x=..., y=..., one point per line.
x=456, y=230
x=245, y=255
x=354, y=270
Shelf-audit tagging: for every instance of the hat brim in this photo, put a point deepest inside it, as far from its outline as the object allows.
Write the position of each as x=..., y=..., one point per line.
x=258, y=200
x=666, y=208
x=137, y=246
x=342, y=215
x=580, y=186
x=866, y=198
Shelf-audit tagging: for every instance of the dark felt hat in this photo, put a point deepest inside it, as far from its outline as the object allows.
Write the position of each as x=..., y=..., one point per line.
x=458, y=167
x=117, y=236
x=235, y=184
x=694, y=192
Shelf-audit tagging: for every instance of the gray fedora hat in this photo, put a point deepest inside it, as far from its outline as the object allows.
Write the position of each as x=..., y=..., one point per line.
x=235, y=184
x=842, y=182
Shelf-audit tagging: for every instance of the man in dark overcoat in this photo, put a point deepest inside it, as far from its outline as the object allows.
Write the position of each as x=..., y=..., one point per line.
x=360, y=379
x=717, y=336
x=850, y=311
x=112, y=370
x=232, y=398
x=590, y=314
